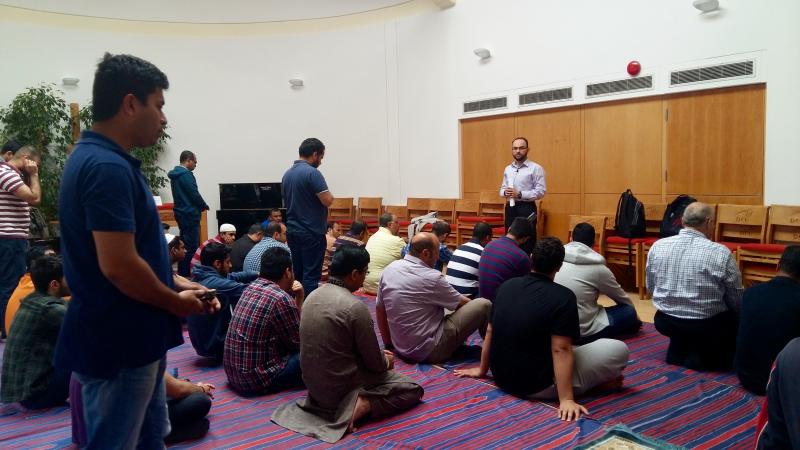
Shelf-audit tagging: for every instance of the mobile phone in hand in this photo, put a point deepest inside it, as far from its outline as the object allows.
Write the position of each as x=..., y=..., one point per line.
x=208, y=295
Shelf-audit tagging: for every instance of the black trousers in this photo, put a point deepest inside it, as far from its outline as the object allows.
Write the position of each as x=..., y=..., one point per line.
x=187, y=416
x=700, y=344
x=524, y=210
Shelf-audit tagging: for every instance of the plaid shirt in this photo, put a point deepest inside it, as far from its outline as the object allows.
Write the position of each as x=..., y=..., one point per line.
x=691, y=277
x=28, y=355
x=264, y=332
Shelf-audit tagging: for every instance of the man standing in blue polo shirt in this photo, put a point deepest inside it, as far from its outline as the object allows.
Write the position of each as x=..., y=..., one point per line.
x=307, y=198
x=123, y=314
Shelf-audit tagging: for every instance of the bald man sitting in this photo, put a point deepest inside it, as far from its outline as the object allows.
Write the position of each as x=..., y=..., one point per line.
x=697, y=290
x=411, y=304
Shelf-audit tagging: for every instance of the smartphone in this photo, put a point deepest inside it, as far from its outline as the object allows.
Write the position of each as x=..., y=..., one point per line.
x=208, y=295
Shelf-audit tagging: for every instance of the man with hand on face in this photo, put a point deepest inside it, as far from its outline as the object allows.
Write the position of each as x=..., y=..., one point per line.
x=523, y=184
x=124, y=313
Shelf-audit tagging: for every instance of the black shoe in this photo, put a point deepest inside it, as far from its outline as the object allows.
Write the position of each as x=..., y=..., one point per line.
x=188, y=432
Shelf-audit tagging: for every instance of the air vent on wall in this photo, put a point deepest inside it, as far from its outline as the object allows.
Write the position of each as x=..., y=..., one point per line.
x=549, y=96
x=619, y=86
x=711, y=73
x=486, y=104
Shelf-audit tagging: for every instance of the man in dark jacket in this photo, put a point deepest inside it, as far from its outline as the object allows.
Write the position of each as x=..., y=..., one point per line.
x=189, y=205
x=207, y=332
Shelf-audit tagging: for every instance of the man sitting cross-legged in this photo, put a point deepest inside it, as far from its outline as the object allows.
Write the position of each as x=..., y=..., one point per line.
x=528, y=344
x=462, y=271
x=585, y=273
x=274, y=236
x=504, y=258
x=347, y=375
x=242, y=246
x=206, y=332
x=411, y=306
x=262, y=348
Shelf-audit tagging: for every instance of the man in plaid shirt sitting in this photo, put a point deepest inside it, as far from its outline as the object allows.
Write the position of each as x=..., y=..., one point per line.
x=697, y=290
x=262, y=347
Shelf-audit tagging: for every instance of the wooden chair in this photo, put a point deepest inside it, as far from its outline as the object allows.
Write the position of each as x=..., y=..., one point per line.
x=401, y=212
x=369, y=211
x=465, y=209
x=653, y=215
x=415, y=207
x=341, y=210
x=540, y=218
x=599, y=224
x=492, y=210
x=759, y=262
x=738, y=224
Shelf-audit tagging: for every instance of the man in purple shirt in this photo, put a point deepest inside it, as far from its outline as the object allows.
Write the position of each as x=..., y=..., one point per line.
x=411, y=304
x=503, y=258
x=523, y=184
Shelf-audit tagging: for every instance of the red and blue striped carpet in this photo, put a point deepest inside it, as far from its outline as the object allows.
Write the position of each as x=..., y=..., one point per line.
x=669, y=403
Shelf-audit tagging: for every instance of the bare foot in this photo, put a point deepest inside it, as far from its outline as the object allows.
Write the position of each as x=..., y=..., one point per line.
x=611, y=386
x=361, y=409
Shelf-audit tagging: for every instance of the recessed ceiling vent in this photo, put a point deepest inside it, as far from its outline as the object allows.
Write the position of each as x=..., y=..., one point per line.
x=486, y=104
x=549, y=96
x=711, y=73
x=619, y=86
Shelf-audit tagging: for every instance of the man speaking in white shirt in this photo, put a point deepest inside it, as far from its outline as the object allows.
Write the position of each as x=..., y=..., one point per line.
x=523, y=184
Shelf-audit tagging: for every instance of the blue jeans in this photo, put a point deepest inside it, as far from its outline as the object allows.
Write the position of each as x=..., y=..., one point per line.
x=190, y=234
x=622, y=321
x=291, y=376
x=12, y=268
x=127, y=411
x=308, y=250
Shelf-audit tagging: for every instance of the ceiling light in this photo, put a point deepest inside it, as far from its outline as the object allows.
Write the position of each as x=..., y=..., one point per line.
x=296, y=82
x=482, y=53
x=70, y=81
x=706, y=5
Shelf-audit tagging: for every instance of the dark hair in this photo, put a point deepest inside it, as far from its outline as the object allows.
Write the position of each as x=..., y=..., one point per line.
x=34, y=253
x=357, y=227
x=583, y=233
x=274, y=262
x=790, y=261
x=420, y=243
x=214, y=251
x=481, y=231
x=255, y=229
x=310, y=146
x=331, y=223
x=272, y=228
x=440, y=228
x=12, y=145
x=520, y=138
x=46, y=269
x=173, y=244
x=521, y=228
x=187, y=155
x=120, y=75
x=276, y=209
x=348, y=258
x=385, y=219
x=548, y=254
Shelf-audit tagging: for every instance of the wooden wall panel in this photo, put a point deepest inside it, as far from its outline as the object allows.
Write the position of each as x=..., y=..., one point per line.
x=606, y=204
x=715, y=142
x=485, y=151
x=558, y=208
x=727, y=199
x=554, y=140
x=623, y=147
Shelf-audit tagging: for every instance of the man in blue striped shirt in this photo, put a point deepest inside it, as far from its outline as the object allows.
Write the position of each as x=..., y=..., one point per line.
x=504, y=258
x=462, y=271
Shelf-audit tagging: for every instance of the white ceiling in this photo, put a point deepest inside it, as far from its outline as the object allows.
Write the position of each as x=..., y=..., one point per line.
x=206, y=11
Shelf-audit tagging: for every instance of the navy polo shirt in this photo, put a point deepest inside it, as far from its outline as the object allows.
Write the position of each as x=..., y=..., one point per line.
x=103, y=189
x=304, y=212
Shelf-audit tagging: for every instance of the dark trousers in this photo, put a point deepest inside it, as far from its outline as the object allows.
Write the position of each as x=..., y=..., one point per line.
x=190, y=234
x=700, y=344
x=622, y=321
x=308, y=250
x=524, y=210
x=55, y=394
x=187, y=417
x=12, y=268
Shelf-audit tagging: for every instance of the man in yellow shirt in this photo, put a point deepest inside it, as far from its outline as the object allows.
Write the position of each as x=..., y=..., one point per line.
x=384, y=247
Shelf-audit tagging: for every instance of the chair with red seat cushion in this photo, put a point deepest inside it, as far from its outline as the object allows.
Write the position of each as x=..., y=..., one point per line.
x=738, y=224
x=759, y=262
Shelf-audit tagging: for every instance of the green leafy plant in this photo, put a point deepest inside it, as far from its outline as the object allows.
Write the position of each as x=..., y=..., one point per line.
x=39, y=116
x=155, y=175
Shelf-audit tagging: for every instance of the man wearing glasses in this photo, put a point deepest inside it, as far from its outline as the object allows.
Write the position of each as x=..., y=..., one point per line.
x=523, y=184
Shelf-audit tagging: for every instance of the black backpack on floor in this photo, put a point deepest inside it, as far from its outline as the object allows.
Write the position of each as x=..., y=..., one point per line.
x=672, y=223
x=630, y=216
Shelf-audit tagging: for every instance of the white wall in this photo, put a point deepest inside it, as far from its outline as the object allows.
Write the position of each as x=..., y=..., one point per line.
x=384, y=95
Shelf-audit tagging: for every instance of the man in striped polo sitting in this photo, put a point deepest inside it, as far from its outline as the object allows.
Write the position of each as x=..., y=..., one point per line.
x=462, y=271
x=504, y=258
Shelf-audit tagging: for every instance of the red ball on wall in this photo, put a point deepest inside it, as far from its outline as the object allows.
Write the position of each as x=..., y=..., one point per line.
x=634, y=68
